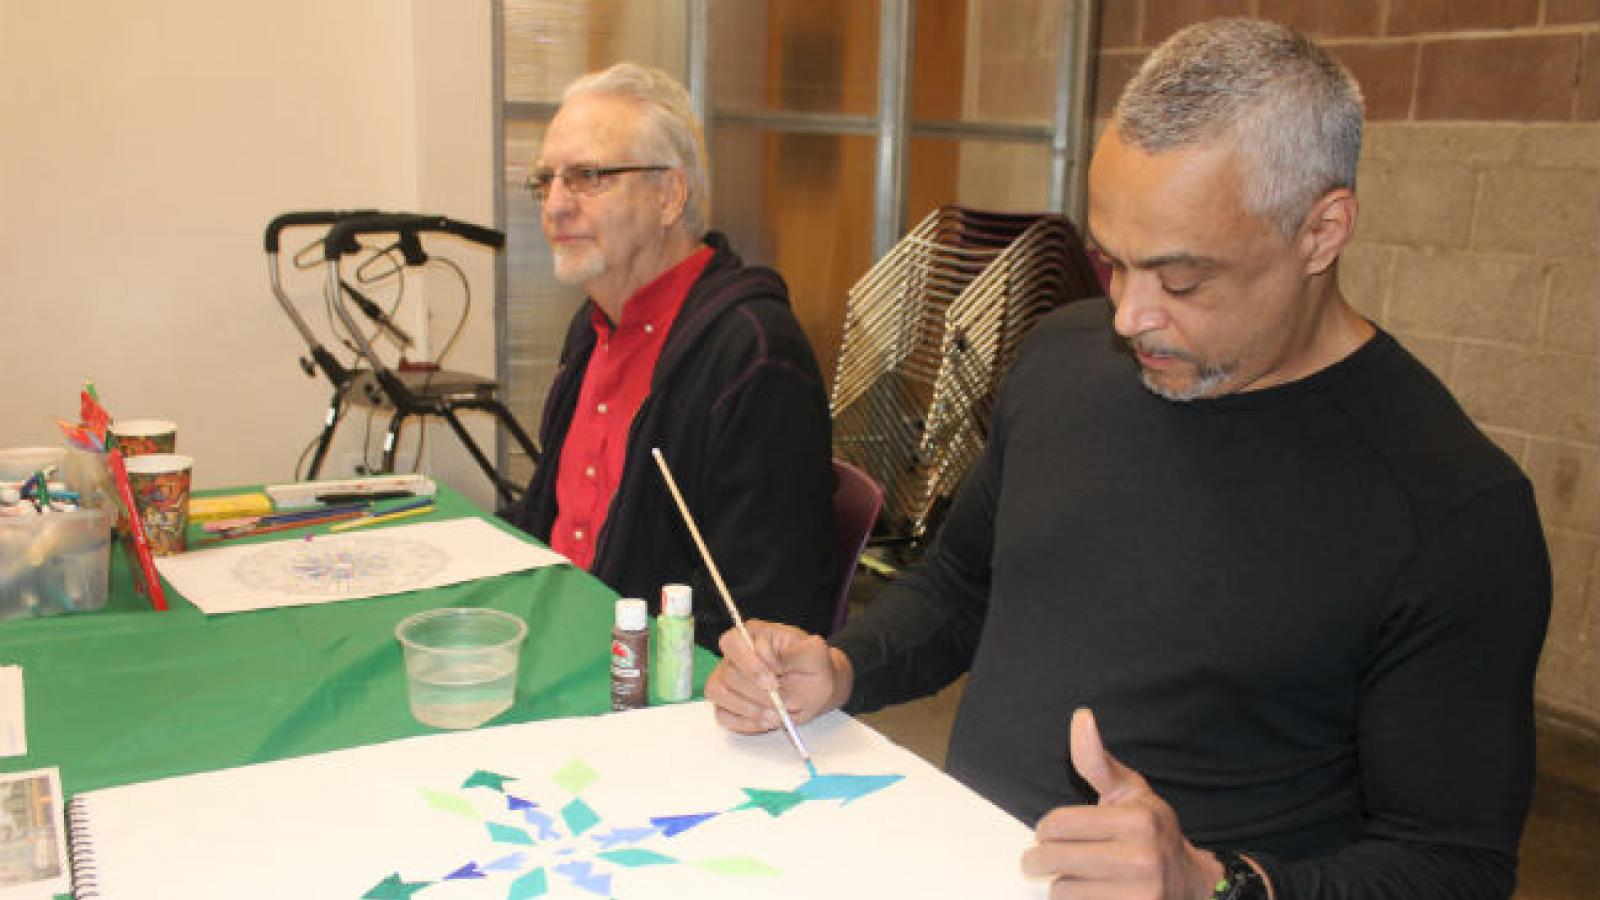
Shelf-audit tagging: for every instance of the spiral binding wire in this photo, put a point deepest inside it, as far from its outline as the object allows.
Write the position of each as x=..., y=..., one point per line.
x=80, y=852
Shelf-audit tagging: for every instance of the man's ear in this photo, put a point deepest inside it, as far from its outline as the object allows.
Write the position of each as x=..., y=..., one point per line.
x=1327, y=229
x=674, y=196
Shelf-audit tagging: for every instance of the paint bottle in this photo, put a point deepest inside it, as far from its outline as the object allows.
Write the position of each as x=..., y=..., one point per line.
x=673, y=671
x=630, y=655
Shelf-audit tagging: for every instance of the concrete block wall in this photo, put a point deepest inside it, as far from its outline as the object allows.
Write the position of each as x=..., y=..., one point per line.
x=1476, y=246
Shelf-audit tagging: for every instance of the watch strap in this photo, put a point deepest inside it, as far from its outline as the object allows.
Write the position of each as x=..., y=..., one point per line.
x=1240, y=880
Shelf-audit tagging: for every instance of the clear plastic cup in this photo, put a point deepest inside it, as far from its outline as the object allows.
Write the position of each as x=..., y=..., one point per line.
x=461, y=664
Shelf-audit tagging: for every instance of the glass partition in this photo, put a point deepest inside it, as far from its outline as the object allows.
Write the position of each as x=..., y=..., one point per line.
x=795, y=131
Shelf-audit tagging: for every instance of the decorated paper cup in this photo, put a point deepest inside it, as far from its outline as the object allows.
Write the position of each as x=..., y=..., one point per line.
x=160, y=483
x=137, y=437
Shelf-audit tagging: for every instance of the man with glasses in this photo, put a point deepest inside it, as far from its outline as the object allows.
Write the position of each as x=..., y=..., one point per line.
x=680, y=347
x=1250, y=607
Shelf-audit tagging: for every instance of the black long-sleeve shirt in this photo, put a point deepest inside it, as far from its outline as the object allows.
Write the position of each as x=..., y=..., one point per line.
x=1310, y=615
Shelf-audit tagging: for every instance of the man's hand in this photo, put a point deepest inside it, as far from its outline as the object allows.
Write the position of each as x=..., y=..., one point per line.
x=811, y=677
x=1128, y=845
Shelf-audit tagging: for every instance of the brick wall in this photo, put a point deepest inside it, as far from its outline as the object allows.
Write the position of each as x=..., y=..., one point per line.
x=1477, y=240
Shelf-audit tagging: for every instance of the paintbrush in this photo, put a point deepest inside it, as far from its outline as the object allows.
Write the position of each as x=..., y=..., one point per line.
x=727, y=600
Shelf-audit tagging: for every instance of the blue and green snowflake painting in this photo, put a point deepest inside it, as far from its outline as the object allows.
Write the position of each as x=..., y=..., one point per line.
x=534, y=848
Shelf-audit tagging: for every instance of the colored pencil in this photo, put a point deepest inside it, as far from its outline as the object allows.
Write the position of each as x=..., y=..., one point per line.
x=301, y=515
x=386, y=517
x=418, y=503
x=253, y=530
x=245, y=523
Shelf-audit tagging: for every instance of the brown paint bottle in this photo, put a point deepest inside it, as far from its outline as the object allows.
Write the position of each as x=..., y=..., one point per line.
x=630, y=655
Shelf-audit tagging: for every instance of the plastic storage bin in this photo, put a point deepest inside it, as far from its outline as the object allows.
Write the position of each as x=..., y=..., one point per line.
x=55, y=563
x=18, y=463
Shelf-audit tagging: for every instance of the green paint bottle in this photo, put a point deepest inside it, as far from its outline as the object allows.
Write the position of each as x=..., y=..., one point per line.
x=673, y=671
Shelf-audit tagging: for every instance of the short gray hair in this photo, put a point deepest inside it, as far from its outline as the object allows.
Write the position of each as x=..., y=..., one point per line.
x=671, y=133
x=1292, y=112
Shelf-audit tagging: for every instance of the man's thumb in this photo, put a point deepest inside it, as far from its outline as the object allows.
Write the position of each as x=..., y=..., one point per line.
x=1110, y=778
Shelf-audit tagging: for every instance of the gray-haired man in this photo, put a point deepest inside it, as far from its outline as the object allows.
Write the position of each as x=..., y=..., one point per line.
x=682, y=347
x=1302, y=594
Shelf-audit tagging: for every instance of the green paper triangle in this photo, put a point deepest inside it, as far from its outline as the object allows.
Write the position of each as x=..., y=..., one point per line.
x=533, y=884
x=633, y=857
x=575, y=776
x=505, y=834
x=450, y=803
x=392, y=888
x=737, y=865
x=579, y=817
x=489, y=780
x=776, y=803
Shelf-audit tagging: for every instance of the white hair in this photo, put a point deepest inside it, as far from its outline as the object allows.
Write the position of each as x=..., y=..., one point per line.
x=670, y=134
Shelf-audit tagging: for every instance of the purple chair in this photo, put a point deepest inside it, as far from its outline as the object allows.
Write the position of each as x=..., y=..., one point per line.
x=857, y=498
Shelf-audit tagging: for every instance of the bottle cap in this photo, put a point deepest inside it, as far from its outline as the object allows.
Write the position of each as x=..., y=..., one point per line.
x=677, y=600
x=632, y=614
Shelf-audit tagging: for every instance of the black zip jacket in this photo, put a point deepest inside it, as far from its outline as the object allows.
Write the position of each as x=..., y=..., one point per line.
x=736, y=405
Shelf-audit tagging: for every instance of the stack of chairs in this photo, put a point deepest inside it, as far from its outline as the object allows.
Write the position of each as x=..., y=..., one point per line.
x=928, y=333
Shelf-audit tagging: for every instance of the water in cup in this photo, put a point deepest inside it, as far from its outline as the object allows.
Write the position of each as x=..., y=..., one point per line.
x=462, y=692
x=461, y=664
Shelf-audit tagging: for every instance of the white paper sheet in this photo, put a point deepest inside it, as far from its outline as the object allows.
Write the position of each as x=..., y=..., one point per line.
x=13, y=716
x=664, y=791
x=360, y=563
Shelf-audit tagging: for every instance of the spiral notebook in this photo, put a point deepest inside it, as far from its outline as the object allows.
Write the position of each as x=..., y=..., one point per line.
x=658, y=802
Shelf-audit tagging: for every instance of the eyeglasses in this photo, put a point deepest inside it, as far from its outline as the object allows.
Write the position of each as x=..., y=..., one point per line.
x=582, y=180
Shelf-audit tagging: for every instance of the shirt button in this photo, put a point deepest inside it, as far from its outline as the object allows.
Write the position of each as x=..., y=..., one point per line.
x=577, y=534
x=649, y=329
x=601, y=409
x=588, y=471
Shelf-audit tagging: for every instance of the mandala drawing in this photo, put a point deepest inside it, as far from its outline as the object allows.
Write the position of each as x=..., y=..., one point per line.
x=334, y=566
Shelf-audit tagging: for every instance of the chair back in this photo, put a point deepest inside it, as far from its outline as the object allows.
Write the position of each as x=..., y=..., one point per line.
x=857, y=498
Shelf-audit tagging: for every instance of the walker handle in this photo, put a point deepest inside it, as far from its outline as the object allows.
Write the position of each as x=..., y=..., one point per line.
x=341, y=237
x=316, y=217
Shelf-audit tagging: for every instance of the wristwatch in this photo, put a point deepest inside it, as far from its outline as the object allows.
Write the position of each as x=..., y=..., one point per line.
x=1240, y=879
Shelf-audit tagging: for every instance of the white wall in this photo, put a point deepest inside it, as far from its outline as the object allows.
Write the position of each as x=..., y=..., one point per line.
x=456, y=174
x=147, y=145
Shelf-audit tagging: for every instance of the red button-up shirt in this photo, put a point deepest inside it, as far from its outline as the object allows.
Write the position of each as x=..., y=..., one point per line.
x=614, y=386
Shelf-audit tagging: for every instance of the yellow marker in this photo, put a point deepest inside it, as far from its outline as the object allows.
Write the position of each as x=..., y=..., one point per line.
x=374, y=520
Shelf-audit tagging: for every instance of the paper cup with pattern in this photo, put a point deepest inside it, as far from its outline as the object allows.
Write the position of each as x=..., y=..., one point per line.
x=160, y=483
x=136, y=437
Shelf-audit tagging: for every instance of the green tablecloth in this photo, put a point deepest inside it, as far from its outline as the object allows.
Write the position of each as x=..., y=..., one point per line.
x=129, y=694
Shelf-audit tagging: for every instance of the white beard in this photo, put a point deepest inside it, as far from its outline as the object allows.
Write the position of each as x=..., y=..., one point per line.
x=578, y=265
x=1204, y=387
